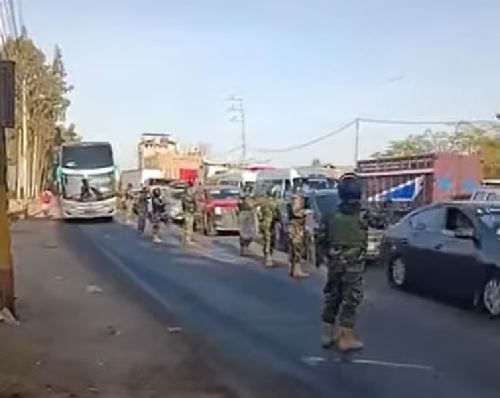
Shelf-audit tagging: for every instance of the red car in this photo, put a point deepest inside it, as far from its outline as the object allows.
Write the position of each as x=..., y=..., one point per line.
x=219, y=209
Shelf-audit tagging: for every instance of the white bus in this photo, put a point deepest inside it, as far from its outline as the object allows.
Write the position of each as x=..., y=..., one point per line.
x=87, y=179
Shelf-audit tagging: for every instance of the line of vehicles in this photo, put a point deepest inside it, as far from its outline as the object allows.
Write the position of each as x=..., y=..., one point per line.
x=431, y=243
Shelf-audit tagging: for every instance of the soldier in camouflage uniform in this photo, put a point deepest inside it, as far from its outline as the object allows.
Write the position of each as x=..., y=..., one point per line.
x=128, y=204
x=189, y=211
x=246, y=216
x=142, y=209
x=268, y=213
x=296, y=232
x=343, y=292
x=157, y=210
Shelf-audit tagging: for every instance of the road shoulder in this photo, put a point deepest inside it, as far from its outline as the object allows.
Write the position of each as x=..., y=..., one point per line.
x=80, y=336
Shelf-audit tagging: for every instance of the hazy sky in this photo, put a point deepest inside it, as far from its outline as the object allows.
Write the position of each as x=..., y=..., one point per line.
x=303, y=67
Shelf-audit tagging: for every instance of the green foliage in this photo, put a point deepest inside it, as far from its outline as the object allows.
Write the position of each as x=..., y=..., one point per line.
x=41, y=102
x=469, y=139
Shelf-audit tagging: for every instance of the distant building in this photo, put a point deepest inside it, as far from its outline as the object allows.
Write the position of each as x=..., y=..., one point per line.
x=162, y=151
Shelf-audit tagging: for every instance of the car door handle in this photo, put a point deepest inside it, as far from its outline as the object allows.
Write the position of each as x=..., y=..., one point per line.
x=439, y=246
x=404, y=241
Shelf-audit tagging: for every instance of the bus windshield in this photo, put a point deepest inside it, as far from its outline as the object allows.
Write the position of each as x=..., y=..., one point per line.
x=87, y=156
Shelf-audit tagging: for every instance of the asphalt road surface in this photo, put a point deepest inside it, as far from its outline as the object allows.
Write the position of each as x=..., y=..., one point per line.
x=415, y=347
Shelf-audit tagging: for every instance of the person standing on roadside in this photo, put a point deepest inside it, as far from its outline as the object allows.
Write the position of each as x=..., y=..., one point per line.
x=46, y=200
x=128, y=203
x=246, y=217
x=189, y=211
x=343, y=292
x=296, y=232
x=157, y=211
x=142, y=209
x=268, y=214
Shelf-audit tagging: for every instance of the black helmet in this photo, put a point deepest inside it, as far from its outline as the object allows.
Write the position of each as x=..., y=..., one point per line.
x=156, y=192
x=349, y=188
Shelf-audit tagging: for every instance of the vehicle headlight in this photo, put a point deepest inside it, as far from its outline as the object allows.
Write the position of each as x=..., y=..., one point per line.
x=498, y=233
x=218, y=211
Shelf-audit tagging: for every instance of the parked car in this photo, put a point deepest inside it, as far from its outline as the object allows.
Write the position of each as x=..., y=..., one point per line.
x=321, y=204
x=173, y=198
x=450, y=250
x=219, y=209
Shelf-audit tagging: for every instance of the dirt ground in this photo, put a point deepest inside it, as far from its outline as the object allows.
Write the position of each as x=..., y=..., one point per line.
x=81, y=336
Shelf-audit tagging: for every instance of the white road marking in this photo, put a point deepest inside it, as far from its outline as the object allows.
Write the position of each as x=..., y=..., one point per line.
x=313, y=361
x=389, y=364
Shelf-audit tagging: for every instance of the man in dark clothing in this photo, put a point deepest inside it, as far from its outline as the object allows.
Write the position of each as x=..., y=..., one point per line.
x=157, y=211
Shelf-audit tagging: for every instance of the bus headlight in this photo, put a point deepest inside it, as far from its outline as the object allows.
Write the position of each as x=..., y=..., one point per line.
x=217, y=211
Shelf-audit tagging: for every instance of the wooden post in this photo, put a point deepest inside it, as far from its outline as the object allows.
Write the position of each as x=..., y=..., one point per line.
x=7, y=119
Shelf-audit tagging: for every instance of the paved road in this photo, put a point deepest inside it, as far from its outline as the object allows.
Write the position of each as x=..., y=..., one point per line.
x=415, y=347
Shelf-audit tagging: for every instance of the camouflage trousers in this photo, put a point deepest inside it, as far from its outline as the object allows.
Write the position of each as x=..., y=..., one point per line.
x=141, y=221
x=296, y=242
x=155, y=223
x=187, y=231
x=343, y=291
x=129, y=210
x=267, y=237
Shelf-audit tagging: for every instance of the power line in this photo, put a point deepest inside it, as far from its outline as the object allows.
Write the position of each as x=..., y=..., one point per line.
x=308, y=143
x=421, y=122
x=358, y=121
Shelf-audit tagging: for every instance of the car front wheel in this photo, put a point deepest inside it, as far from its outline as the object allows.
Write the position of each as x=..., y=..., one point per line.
x=491, y=295
x=397, y=273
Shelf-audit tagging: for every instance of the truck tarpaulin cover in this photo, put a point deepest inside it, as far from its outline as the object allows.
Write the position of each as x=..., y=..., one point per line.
x=405, y=192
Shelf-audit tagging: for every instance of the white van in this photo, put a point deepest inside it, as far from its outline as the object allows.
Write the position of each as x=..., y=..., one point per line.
x=241, y=179
x=282, y=181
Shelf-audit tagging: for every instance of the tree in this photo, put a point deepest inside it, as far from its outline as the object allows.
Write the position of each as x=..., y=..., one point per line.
x=41, y=105
x=484, y=141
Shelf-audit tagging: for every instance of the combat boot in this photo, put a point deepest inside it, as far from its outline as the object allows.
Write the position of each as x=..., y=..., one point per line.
x=268, y=261
x=328, y=335
x=156, y=239
x=298, y=272
x=347, y=340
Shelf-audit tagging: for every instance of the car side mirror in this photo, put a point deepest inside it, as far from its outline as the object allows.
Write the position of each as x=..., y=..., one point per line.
x=464, y=233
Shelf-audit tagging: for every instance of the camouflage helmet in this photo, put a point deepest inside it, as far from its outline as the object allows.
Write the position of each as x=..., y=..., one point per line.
x=349, y=188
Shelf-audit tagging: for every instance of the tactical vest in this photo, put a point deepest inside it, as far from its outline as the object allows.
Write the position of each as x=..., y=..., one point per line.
x=346, y=230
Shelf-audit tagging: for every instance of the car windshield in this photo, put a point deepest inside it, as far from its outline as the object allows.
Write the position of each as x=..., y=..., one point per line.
x=219, y=194
x=320, y=183
x=491, y=219
x=176, y=195
x=87, y=156
x=327, y=204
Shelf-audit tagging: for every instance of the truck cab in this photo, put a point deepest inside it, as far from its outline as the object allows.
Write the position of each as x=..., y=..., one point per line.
x=219, y=209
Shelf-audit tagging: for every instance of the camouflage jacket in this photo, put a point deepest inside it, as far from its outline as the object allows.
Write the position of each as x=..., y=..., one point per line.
x=268, y=210
x=189, y=203
x=143, y=203
x=296, y=210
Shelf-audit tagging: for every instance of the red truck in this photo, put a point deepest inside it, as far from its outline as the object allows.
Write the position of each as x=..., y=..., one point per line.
x=219, y=209
x=420, y=180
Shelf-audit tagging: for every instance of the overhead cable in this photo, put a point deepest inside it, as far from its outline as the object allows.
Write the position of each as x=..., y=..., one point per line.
x=308, y=143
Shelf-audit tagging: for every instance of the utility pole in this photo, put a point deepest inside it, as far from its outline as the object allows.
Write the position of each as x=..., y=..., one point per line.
x=24, y=158
x=356, y=143
x=7, y=119
x=238, y=111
